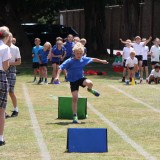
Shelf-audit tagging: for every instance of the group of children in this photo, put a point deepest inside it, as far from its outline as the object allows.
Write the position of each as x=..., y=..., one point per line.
x=57, y=54
x=9, y=59
x=135, y=59
x=69, y=57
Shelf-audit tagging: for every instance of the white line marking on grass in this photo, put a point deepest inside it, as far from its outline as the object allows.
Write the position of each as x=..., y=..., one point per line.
x=37, y=131
x=123, y=135
x=135, y=99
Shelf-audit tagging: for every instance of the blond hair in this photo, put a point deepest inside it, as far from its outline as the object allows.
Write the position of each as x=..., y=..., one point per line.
x=133, y=53
x=78, y=47
x=3, y=32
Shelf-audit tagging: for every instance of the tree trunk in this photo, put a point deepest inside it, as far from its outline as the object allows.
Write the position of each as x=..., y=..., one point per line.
x=95, y=27
x=12, y=21
x=131, y=18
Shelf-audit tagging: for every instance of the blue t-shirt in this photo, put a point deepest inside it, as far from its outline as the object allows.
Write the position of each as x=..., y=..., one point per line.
x=57, y=52
x=43, y=55
x=35, y=50
x=75, y=68
x=69, y=46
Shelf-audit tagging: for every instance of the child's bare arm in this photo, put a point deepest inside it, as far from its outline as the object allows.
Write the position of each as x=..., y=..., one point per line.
x=99, y=61
x=16, y=63
x=148, y=40
x=124, y=42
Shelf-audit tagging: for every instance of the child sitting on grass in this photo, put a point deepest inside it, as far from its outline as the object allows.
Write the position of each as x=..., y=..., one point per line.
x=75, y=76
x=155, y=74
x=118, y=60
x=132, y=66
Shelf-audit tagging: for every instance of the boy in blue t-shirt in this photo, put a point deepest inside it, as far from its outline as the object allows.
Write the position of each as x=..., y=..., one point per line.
x=43, y=62
x=75, y=75
x=58, y=54
x=35, y=50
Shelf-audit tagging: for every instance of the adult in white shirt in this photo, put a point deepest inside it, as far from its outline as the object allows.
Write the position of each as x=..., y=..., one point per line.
x=126, y=53
x=4, y=64
x=137, y=46
x=155, y=52
x=145, y=52
x=131, y=64
x=11, y=73
x=155, y=74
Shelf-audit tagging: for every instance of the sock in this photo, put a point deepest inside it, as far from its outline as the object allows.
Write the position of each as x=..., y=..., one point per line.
x=34, y=78
x=45, y=79
x=1, y=137
x=16, y=109
x=75, y=114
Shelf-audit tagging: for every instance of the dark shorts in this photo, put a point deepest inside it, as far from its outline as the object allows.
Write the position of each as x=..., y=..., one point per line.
x=75, y=85
x=44, y=64
x=124, y=63
x=11, y=77
x=145, y=63
x=58, y=63
x=154, y=62
x=3, y=89
x=35, y=65
x=131, y=68
x=139, y=57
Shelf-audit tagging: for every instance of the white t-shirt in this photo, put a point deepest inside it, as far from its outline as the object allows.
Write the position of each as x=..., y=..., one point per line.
x=138, y=48
x=155, y=51
x=4, y=54
x=127, y=51
x=154, y=73
x=15, y=53
x=145, y=51
x=131, y=62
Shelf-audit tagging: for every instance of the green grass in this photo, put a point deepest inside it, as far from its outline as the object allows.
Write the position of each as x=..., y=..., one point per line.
x=137, y=121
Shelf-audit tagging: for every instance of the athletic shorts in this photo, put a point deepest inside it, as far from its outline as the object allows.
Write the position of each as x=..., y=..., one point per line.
x=44, y=64
x=139, y=57
x=35, y=65
x=3, y=89
x=75, y=85
x=145, y=63
x=154, y=62
x=11, y=77
x=124, y=63
x=131, y=68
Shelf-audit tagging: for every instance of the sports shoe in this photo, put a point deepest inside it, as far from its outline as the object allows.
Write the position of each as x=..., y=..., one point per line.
x=14, y=114
x=41, y=83
x=2, y=143
x=94, y=92
x=45, y=82
x=75, y=119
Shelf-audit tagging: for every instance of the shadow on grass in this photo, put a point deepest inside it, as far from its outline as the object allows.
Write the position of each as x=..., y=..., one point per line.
x=64, y=123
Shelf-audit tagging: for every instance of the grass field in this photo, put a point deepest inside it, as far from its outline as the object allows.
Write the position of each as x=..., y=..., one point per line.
x=134, y=110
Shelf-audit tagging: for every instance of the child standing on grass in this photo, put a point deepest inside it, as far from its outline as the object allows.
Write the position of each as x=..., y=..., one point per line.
x=155, y=75
x=126, y=52
x=43, y=62
x=58, y=53
x=75, y=76
x=11, y=73
x=35, y=60
x=132, y=65
x=145, y=52
x=155, y=52
x=4, y=65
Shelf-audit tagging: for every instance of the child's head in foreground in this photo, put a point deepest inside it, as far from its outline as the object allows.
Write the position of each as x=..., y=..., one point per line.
x=132, y=54
x=78, y=50
x=47, y=46
x=157, y=67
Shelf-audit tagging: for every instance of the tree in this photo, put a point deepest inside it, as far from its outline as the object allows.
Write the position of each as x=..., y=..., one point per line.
x=95, y=26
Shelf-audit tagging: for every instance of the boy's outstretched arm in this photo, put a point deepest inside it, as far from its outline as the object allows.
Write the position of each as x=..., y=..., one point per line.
x=58, y=75
x=99, y=61
x=148, y=40
x=124, y=42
